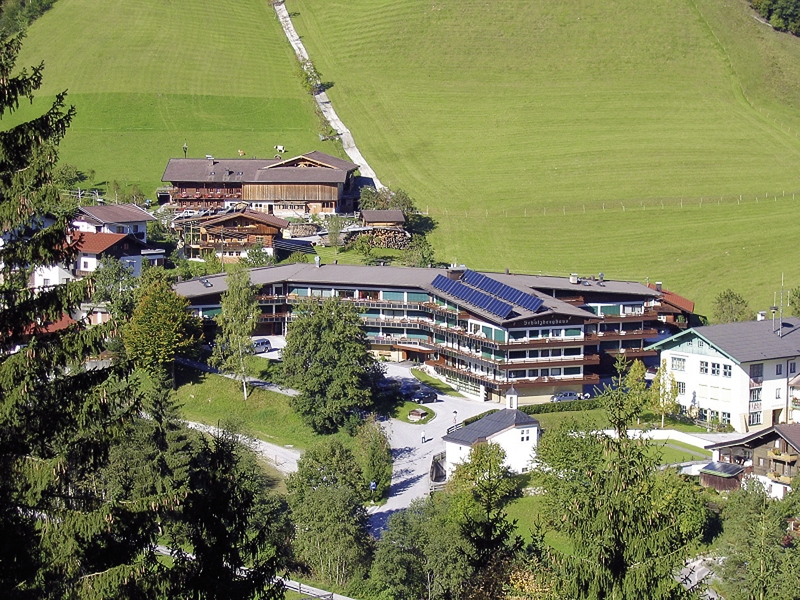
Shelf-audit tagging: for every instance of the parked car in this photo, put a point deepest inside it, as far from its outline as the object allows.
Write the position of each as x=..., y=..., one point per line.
x=566, y=396
x=262, y=345
x=423, y=396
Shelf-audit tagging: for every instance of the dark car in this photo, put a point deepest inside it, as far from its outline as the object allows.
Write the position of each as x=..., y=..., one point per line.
x=423, y=396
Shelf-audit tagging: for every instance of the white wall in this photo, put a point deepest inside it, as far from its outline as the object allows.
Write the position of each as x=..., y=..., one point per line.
x=55, y=275
x=519, y=452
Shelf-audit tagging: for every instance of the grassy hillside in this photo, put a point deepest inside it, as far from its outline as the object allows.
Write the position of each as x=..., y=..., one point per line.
x=509, y=119
x=147, y=75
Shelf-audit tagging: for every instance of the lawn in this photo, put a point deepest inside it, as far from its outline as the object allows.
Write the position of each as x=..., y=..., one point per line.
x=146, y=76
x=401, y=412
x=436, y=384
x=590, y=419
x=675, y=452
x=579, y=136
x=213, y=399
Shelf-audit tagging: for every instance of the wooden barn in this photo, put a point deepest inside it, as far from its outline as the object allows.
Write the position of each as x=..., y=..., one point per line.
x=311, y=183
x=383, y=218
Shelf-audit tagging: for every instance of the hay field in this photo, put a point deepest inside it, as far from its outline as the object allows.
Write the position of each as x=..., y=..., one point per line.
x=508, y=119
x=147, y=75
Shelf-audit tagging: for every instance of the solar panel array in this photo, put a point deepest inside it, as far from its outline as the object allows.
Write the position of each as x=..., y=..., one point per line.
x=506, y=292
x=474, y=297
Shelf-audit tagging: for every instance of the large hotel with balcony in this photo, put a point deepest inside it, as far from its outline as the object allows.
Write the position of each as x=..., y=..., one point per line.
x=480, y=332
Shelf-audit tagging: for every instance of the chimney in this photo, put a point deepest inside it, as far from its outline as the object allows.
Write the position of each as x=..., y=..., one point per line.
x=507, y=272
x=658, y=286
x=455, y=272
x=761, y=316
x=512, y=398
x=316, y=261
x=573, y=278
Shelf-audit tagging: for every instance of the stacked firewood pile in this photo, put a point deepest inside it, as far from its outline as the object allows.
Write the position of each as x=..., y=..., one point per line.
x=303, y=229
x=396, y=239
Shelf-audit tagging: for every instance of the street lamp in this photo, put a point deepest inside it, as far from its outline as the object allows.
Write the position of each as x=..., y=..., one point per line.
x=185, y=149
x=455, y=417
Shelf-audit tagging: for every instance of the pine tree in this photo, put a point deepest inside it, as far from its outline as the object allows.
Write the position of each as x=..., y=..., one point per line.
x=237, y=321
x=57, y=419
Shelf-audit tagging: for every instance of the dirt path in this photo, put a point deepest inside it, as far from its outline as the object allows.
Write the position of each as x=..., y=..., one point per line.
x=324, y=102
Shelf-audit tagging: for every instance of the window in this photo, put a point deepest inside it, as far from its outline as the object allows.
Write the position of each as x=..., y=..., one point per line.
x=135, y=229
x=120, y=229
x=525, y=435
x=755, y=418
x=777, y=393
x=46, y=283
x=792, y=367
x=572, y=370
x=779, y=369
x=760, y=459
x=85, y=265
x=715, y=369
x=700, y=343
x=544, y=372
x=702, y=414
x=703, y=367
x=572, y=332
x=514, y=354
x=681, y=388
x=678, y=364
x=533, y=372
x=714, y=414
x=517, y=374
x=726, y=370
x=689, y=342
x=757, y=371
x=726, y=418
x=755, y=395
x=555, y=372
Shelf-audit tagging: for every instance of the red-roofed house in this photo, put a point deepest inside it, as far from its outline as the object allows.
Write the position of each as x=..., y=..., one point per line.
x=93, y=247
x=673, y=309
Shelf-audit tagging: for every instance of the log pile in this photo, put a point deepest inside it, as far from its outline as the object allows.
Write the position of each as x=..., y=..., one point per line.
x=303, y=229
x=396, y=239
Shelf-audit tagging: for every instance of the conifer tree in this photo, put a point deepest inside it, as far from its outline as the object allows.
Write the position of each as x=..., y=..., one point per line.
x=60, y=535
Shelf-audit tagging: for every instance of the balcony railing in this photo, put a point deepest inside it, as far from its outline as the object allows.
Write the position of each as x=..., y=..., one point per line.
x=756, y=382
x=787, y=457
x=779, y=478
x=496, y=382
x=755, y=406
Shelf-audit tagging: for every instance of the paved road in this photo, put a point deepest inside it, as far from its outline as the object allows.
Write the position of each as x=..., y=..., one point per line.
x=412, y=459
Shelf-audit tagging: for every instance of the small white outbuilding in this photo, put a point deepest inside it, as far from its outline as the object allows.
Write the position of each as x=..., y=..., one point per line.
x=514, y=431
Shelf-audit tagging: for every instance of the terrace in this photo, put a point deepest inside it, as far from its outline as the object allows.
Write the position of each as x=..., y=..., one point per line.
x=443, y=367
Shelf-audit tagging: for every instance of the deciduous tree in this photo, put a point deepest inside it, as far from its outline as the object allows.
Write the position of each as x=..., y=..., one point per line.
x=374, y=454
x=327, y=358
x=730, y=307
x=419, y=253
x=664, y=393
x=237, y=321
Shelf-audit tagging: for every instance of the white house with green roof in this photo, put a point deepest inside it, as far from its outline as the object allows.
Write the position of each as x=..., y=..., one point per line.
x=742, y=374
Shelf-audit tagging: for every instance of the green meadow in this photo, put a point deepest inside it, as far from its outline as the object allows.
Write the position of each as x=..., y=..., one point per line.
x=547, y=136
x=146, y=76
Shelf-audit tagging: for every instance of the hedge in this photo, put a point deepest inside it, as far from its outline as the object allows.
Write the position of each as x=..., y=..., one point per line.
x=551, y=407
x=480, y=416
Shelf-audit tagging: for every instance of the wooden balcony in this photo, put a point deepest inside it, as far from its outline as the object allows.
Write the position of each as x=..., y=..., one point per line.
x=647, y=315
x=553, y=361
x=503, y=384
x=524, y=344
x=632, y=352
x=635, y=334
x=779, y=478
x=273, y=317
x=786, y=457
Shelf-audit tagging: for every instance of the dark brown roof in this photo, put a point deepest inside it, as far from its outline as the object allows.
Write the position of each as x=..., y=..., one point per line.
x=490, y=425
x=252, y=215
x=790, y=433
x=95, y=243
x=114, y=213
x=383, y=216
x=300, y=175
x=250, y=170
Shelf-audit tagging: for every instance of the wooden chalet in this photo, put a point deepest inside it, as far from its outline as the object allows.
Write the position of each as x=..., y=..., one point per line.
x=771, y=455
x=674, y=310
x=311, y=183
x=231, y=235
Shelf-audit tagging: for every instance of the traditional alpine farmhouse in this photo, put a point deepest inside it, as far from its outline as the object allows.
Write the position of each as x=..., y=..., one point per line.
x=311, y=183
x=481, y=332
x=230, y=234
x=739, y=374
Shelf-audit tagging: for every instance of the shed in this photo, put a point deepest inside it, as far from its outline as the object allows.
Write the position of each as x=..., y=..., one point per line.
x=722, y=476
x=383, y=218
